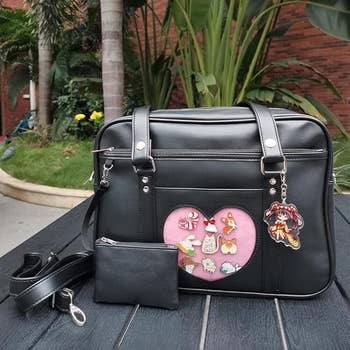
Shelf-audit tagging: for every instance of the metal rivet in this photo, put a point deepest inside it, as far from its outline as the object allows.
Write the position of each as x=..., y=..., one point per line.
x=140, y=145
x=272, y=191
x=146, y=189
x=270, y=143
x=145, y=179
x=272, y=181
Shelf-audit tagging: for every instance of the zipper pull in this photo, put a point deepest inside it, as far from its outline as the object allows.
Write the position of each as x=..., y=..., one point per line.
x=90, y=178
x=103, y=150
x=108, y=241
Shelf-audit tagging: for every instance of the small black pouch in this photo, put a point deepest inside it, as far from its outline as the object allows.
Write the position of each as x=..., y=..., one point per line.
x=136, y=273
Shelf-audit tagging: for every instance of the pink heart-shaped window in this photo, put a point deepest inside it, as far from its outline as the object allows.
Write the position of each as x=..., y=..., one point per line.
x=214, y=247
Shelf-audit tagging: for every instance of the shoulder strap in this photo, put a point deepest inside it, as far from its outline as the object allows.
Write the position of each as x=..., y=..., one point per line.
x=35, y=281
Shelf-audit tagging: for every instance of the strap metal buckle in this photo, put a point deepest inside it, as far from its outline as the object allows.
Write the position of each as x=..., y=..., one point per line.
x=273, y=172
x=152, y=169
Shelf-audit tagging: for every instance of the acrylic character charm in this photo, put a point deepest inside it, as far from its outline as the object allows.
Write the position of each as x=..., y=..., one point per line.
x=284, y=223
x=229, y=222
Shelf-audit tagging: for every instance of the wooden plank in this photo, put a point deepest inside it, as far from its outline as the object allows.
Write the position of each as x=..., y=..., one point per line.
x=104, y=323
x=163, y=329
x=342, y=203
x=52, y=238
x=319, y=323
x=342, y=239
x=242, y=323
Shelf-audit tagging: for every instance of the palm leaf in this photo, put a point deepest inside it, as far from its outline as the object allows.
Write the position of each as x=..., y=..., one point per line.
x=327, y=113
x=288, y=62
x=335, y=23
x=300, y=102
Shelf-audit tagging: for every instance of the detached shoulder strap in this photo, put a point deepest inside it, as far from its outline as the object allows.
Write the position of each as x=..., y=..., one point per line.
x=35, y=281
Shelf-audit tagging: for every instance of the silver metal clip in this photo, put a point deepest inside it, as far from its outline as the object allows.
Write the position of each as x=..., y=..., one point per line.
x=105, y=174
x=77, y=314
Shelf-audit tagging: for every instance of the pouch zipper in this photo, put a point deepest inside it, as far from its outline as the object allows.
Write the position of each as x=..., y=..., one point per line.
x=123, y=153
x=111, y=242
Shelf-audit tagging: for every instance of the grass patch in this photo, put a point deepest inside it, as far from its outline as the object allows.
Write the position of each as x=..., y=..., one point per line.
x=68, y=163
x=65, y=164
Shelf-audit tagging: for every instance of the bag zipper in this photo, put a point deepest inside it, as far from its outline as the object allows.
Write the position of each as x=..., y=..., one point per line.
x=122, y=153
x=110, y=242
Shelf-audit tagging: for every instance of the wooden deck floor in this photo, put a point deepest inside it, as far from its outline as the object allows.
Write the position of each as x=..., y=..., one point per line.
x=201, y=322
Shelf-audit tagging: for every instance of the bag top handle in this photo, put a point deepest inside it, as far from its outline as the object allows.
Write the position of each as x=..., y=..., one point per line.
x=269, y=139
x=143, y=162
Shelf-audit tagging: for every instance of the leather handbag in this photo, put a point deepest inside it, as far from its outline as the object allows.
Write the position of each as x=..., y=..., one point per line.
x=245, y=193
x=136, y=273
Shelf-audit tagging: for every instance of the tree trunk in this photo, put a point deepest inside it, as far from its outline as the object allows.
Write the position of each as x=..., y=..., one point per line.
x=112, y=58
x=45, y=57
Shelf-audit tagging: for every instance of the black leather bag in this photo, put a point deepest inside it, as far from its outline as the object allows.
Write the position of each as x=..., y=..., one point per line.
x=213, y=181
x=136, y=273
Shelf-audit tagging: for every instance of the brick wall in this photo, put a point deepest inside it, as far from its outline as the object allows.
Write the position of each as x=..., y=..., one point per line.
x=324, y=52
x=9, y=117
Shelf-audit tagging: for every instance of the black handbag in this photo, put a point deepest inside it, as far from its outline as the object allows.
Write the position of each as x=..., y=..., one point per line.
x=245, y=193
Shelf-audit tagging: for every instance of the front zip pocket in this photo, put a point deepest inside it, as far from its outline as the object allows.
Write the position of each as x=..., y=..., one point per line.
x=125, y=153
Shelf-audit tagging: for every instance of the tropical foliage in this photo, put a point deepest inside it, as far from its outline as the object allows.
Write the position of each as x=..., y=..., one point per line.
x=341, y=163
x=156, y=65
x=222, y=56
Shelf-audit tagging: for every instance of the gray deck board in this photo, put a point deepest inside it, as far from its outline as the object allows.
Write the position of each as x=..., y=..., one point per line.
x=233, y=323
x=342, y=241
x=242, y=323
x=319, y=323
x=163, y=329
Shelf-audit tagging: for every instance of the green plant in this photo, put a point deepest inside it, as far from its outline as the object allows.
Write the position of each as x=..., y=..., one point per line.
x=76, y=99
x=223, y=56
x=156, y=66
x=341, y=163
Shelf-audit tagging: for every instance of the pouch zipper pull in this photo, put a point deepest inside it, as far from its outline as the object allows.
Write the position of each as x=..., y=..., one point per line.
x=89, y=179
x=108, y=241
x=103, y=150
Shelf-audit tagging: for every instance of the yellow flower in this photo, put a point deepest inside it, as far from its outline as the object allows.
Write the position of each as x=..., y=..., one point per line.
x=96, y=115
x=79, y=117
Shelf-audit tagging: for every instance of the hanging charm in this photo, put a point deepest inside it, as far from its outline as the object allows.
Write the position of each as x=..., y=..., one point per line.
x=283, y=220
